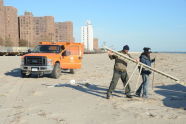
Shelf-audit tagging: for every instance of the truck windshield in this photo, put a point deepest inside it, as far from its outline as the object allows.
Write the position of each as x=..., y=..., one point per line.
x=46, y=49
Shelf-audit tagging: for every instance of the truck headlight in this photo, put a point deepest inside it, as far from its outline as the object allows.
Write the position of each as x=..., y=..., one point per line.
x=49, y=61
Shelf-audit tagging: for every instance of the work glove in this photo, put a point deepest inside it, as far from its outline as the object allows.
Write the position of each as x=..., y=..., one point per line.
x=148, y=72
x=153, y=60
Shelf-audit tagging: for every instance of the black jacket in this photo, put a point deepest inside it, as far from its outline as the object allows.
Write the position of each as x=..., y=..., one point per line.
x=147, y=61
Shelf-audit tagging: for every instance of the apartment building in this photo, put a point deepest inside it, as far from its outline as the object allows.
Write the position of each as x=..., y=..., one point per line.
x=44, y=29
x=32, y=29
x=64, y=31
x=2, y=24
x=87, y=36
x=95, y=44
x=8, y=25
x=11, y=26
x=26, y=32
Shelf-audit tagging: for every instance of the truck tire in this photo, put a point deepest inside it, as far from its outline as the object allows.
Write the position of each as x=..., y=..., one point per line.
x=23, y=75
x=72, y=71
x=56, y=71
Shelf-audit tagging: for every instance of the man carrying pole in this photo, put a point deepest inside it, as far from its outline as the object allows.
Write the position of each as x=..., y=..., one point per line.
x=145, y=59
x=120, y=71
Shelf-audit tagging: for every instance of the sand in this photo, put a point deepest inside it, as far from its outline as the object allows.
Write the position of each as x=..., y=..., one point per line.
x=80, y=98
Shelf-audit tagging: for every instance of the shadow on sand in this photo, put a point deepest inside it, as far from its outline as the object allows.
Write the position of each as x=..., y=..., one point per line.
x=92, y=89
x=175, y=95
x=17, y=73
x=14, y=73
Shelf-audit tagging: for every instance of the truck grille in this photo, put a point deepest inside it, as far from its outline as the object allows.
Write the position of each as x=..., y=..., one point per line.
x=35, y=61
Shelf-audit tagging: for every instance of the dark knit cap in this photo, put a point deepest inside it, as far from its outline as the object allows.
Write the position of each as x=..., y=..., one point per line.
x=126, y=47
x=147, y=49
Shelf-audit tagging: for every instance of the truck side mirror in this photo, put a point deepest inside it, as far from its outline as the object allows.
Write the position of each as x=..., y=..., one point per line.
x=66, y=53
x=62, y=47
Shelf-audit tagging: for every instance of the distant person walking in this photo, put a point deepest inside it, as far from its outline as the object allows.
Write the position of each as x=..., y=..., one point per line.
x=145, y=58
x=120, y=71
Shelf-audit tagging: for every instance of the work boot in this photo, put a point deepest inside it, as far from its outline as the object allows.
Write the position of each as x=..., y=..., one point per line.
x=137, y=94
x=128, y=95
x=145, y=96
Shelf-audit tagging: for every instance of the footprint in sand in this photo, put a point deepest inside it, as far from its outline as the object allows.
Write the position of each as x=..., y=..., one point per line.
x=36, y=93
x=3, y=95
x=42, y=113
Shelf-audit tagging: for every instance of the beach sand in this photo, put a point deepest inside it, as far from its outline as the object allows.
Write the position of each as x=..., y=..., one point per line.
x=80, y=98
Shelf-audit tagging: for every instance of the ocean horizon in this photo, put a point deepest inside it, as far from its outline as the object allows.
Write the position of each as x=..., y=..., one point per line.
x=161, y=52
x=176, y=52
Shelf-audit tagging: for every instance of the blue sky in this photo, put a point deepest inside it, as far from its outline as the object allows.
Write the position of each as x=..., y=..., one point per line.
x=159, y=24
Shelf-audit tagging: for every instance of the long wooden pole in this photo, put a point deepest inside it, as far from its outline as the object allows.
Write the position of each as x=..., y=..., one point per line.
x=131, y=76
x=122, y=56
x=138, y=78
x=153, y=76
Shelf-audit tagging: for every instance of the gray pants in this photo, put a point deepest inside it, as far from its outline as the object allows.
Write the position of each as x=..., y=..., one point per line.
x=143, y=89
x=115, y=78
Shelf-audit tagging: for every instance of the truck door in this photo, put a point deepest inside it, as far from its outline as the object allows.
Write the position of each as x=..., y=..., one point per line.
x=72, y=57
x=75, y=56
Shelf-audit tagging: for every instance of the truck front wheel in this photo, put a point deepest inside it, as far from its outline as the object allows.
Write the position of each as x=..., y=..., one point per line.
x=72, y=71
x=24, y=75
x=56, y=71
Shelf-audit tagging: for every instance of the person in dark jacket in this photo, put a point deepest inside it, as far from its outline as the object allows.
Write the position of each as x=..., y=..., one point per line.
x=120, y=71
x=145, y=58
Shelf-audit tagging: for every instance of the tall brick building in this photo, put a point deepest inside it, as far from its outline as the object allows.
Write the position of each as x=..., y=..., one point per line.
x=11, y=26
x=32, y=29
x=64, y=31
x=28, y=30
x=95, y=44
x=26, y=34
x=2, y=23
x=8, y=25
x=44, y=28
